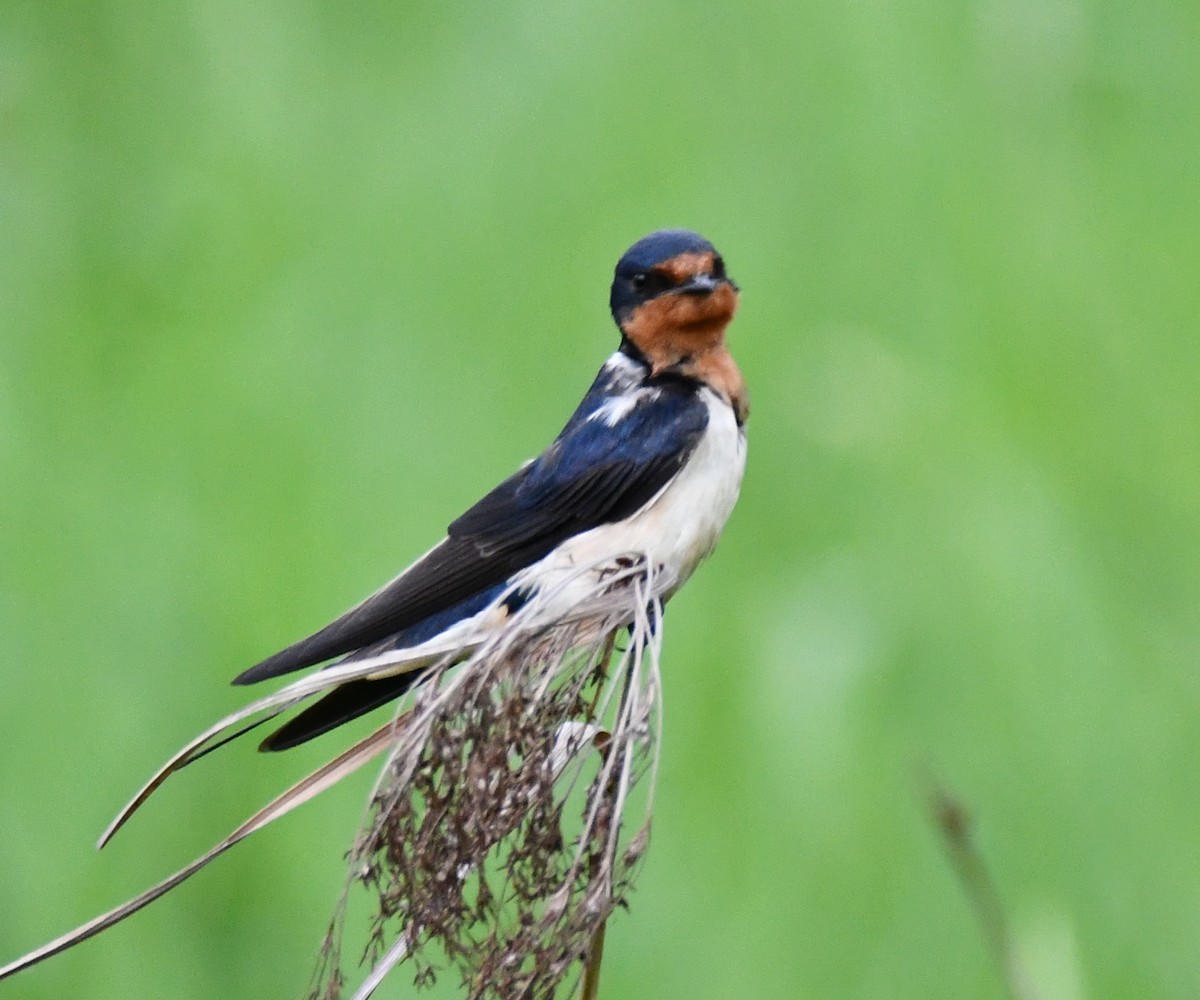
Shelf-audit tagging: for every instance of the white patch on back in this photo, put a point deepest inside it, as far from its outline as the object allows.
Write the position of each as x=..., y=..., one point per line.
x=614, y=409
x=620, y=363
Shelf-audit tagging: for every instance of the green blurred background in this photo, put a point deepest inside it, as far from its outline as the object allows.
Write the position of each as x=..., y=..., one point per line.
x=285, y=286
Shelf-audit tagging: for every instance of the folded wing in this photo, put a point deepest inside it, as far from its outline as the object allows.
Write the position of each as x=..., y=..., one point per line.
x=597, y=471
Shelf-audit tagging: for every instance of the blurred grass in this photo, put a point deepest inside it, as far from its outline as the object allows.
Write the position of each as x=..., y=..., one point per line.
x=284, y=287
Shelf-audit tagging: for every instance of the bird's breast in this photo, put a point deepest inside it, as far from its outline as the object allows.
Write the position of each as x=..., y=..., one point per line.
x=678, y=527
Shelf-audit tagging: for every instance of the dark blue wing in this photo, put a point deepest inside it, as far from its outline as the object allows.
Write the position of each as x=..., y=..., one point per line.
x=594, y=473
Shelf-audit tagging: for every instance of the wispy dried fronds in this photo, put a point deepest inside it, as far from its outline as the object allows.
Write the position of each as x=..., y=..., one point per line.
x=494, y=840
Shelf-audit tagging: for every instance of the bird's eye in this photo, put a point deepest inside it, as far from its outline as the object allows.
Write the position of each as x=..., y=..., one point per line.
x=640, y=281
x=718, y=270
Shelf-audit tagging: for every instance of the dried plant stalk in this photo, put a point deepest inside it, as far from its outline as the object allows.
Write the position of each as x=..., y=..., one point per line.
x=493, y=839
x=953, y=823
x=590, y=988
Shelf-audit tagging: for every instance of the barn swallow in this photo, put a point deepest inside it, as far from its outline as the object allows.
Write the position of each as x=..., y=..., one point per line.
x=648, y=466
x=650, y=462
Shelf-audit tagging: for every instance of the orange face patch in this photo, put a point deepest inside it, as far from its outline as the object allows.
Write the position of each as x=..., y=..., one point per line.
x=671, y=327
x=685, y=332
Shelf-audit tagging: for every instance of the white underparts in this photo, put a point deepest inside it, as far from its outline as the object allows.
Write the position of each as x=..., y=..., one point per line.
x=679, y=526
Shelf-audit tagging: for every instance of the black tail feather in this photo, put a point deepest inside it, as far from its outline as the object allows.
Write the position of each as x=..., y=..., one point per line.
x=342, y=704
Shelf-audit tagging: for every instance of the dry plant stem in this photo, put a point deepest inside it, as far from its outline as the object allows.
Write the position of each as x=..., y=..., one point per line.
x=953, y=822
x=591, y=969
x=396, y=954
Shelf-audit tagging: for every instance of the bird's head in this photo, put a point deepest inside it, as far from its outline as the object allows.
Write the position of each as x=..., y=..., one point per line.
x=672, y=298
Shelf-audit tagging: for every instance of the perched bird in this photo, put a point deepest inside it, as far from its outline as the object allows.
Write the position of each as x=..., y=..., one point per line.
x=640, y=481
x=650, y=462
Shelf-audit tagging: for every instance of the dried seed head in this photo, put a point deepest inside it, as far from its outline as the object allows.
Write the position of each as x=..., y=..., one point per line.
x=488, y=842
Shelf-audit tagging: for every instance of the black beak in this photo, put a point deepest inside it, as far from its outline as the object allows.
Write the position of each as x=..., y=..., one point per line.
x=700, y=284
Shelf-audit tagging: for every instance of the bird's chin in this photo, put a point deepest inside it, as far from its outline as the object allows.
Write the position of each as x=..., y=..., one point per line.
x=667, y=318
x=718, y=306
